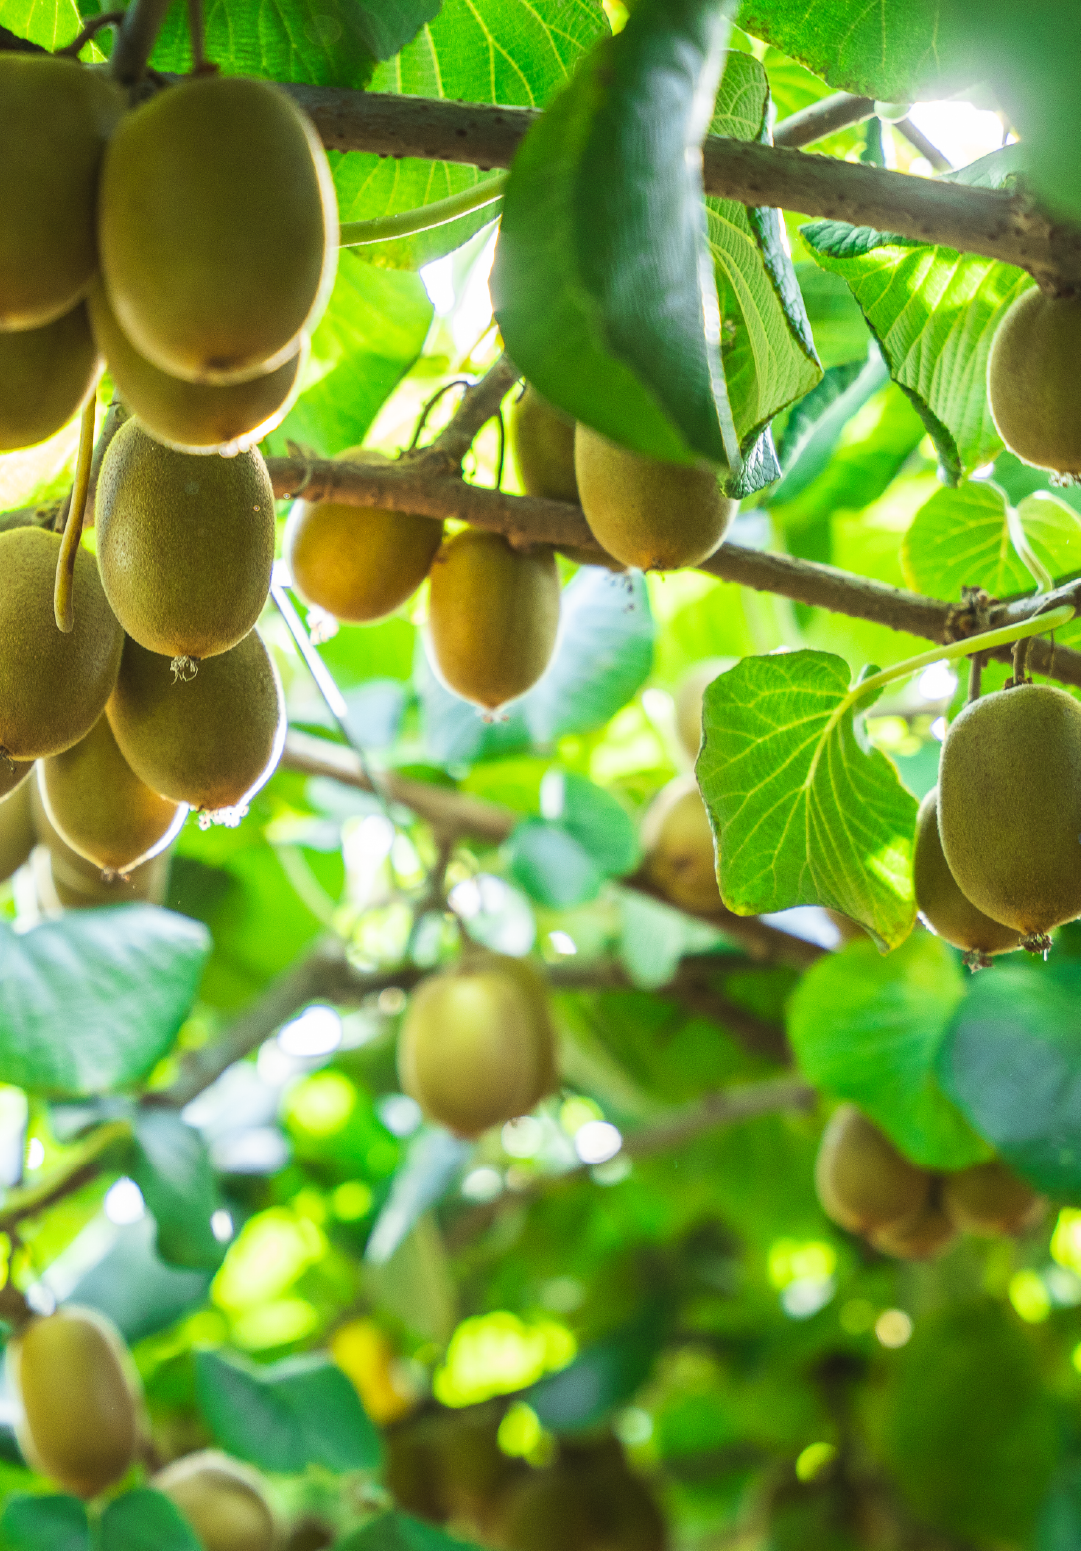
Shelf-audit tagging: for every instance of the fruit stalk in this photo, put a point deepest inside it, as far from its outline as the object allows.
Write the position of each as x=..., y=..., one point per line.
x=135, y=41
x=407, y=223
x=63, y=595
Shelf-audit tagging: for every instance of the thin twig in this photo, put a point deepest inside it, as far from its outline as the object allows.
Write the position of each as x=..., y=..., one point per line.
x=81, y=1164
x=197, y=34
x=975, y=675
x=143, y=20
x=919, y=141
x=840, y=111
x=89, y=33
x=63, y=589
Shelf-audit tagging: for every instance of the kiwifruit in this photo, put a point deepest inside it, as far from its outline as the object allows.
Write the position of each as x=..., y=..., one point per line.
x=78, y=1396
x=358, y=562
x=211, y=742
x=215, y=256
x=16, y=830
x=587, y=1501
x=66, y=880
x=542, y=440
x=476, y=1046
x=493, y=615
x=657, y=516
x=98, y=805
x=194, y=417
x=54, y=124
x=53, y=687
x=989, y=1199
x=411, y=1469
x=185, y=543
x=689, y=695
x=677, y=842
x=920, y=1237
x=863, y=1182
x=222, y=1500
x=1009, y=807
x=46, y=375
x=945, y=909
x=1031, y=380
x=13, y=772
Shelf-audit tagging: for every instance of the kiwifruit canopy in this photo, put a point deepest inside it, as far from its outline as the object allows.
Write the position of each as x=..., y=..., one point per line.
x=46, y=375
x=678, y=845
x=945, y=909
x=222, y=1500
x=863, y=1182
x=542, y=440
x=1032, y=380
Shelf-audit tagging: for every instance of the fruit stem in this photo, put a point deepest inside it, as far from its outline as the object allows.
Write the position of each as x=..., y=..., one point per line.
x=408, y=223
x=135, y=41
x=975, y=676
x=63, y=592
x=198, y=36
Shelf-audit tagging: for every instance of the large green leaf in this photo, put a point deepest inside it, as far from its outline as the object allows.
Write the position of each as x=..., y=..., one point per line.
x=93, y=1001
x=173, y=1171
x=973, y=537
x=805, y=811
x=599, y=283
x=869, y=1029
x=400, y=1532
x=145, y=1520
x=818, y=422
x=52, y=24
x=132, y=1287
x=44, y=1524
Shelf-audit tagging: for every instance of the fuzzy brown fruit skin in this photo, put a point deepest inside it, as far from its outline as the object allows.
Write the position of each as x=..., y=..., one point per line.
x=211, y=742
x=689, y=695
x=46, y=376
x=57, y=118
x=222, y=1500
x=64, y=879
x=864, y=1184
x=1031, y=380
x=185, y=544
x=657, y=516
x=542, y=440
x=476, y=1046
x=79, y=1398
x=493, y=615
x=945, y=909
x=922, y=1237
x=98, y=805
x=358, y=562
x=215, y=260
x=1009, y=807
x=53, y=687
x=678, y=844
x=989, y=1199
x=194, y=417
x=16, y=830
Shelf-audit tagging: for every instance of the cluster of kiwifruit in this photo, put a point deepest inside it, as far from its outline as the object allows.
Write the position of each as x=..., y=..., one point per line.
x=868, y=1187
x=81, y=1423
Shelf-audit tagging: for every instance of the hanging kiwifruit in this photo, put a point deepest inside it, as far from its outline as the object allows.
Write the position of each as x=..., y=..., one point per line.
x=919, y=1237
x=185, y=544
x=945, y=909
x=223, y=1501
x=98, y=805
x=542, y=441
x=217, y=256
x=1031, y=380
x=53, y=687
x=16, y=830
x=358, y=562
x=1009, y=807
x=589, y=1500
x=689, y=695
x=476, y=1046
x=13, y=772
x=65, y=880
x=194, y=417
x=55, y=119
x=989, y=1199
x=79, y=1399
x=657, y=516
x=46, y=375
x=211, y=742
x=864, y=1184
x=493, y=615
x=678, y=845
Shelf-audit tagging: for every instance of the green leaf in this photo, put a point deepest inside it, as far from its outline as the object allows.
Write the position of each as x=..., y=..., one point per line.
x=805, y=811
x=552, y=866
x=134, y=1289
x=174, y=1174
x=595, y=819
x=145, y=1520
x=599, y=283
x=603, y=1376
x=44, y=1524
x=973, y=537
x=870, y=1029
x=400, y=1532
x=840, y=333
x=583, y=837
x=934, y=313
x=434, y=1160
x=52, y=25
x=92, y=1001
x=1011, y=1062
x=817, y=423
x=299, y=1412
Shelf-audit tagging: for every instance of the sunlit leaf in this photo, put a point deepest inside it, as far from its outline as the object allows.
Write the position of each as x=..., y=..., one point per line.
x=973, y=537
x=174, y=1174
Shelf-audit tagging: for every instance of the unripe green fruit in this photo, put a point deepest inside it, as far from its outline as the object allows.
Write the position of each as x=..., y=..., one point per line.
x=222, y=1500
x=98, y=805
x=689, y=694
x=657, y=516
x=46, y=376
x=185, y=544
x=13, y=772
x=864, y=1184
x=67, y=879
x=678, y=844
x=194, y=416
x=989, y=1199
x=921, y=1237
x=945, y=909
x=218, y=228
x=16, y=830
x=476, y=1046
x=1032, y=380
x=493, y=615
x=78, y=1392
x=542, y=440
x=53, y=687
x=1009, y=807
x=358, y=562
x=211, y=742
x=55, y=119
